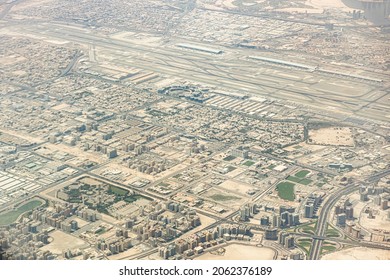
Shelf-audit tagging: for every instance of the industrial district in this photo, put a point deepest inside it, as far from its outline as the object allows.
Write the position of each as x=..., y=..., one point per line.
x=195, y=129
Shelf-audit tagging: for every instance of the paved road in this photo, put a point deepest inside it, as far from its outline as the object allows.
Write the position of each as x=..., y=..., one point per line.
x=327, y=207
x=232, y=70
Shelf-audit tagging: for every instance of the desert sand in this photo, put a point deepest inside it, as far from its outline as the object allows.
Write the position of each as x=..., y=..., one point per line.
x=359, y=254
x=241, y=252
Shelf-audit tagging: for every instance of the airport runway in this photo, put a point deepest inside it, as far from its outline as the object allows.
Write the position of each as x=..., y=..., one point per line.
x=232, y=71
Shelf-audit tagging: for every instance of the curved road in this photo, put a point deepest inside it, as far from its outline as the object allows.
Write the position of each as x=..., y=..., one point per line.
x=328, y=205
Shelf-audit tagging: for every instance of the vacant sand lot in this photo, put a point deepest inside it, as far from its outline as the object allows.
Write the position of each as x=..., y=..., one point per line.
x=241, y=252
x=205, y=222
x=62, y=241
x=236, y=186
x=380, y=222
x=359, y=254
x=324, y=4
x=127, y=254
x=225, y=198
x=337, y=136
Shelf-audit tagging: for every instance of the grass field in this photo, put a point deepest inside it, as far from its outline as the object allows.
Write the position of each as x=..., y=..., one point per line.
x=302, y=181
x=100, y=231
x=332, y=232
x=286, y=191
x=328, y=247
x=249, y=163
x=157, y=113
x=229, y=158
x=293, y=179
x=118, y=191
x=135, y=197
x=305, y=244
x=221, y=197
x=231, y=168
x=272, y=166
x=11, y=216
x=302, y=174
x=309, y=228
x=305, y=181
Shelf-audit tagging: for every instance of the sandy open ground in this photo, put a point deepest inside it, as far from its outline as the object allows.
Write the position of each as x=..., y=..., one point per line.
x=127, y=254
x=235, y=186
x=75, y=151
x=80, y=222
x=204, y=220
x=30, y=4
x=332, y=136
x=318, y=6
x=326, y=4
x=225, y=3
x=241, y=252
x=379, y=223
x=225, y=197
x=301, y=10
x=22, y=135
x=359, y=254
x=62, y=241
x=235, y=172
